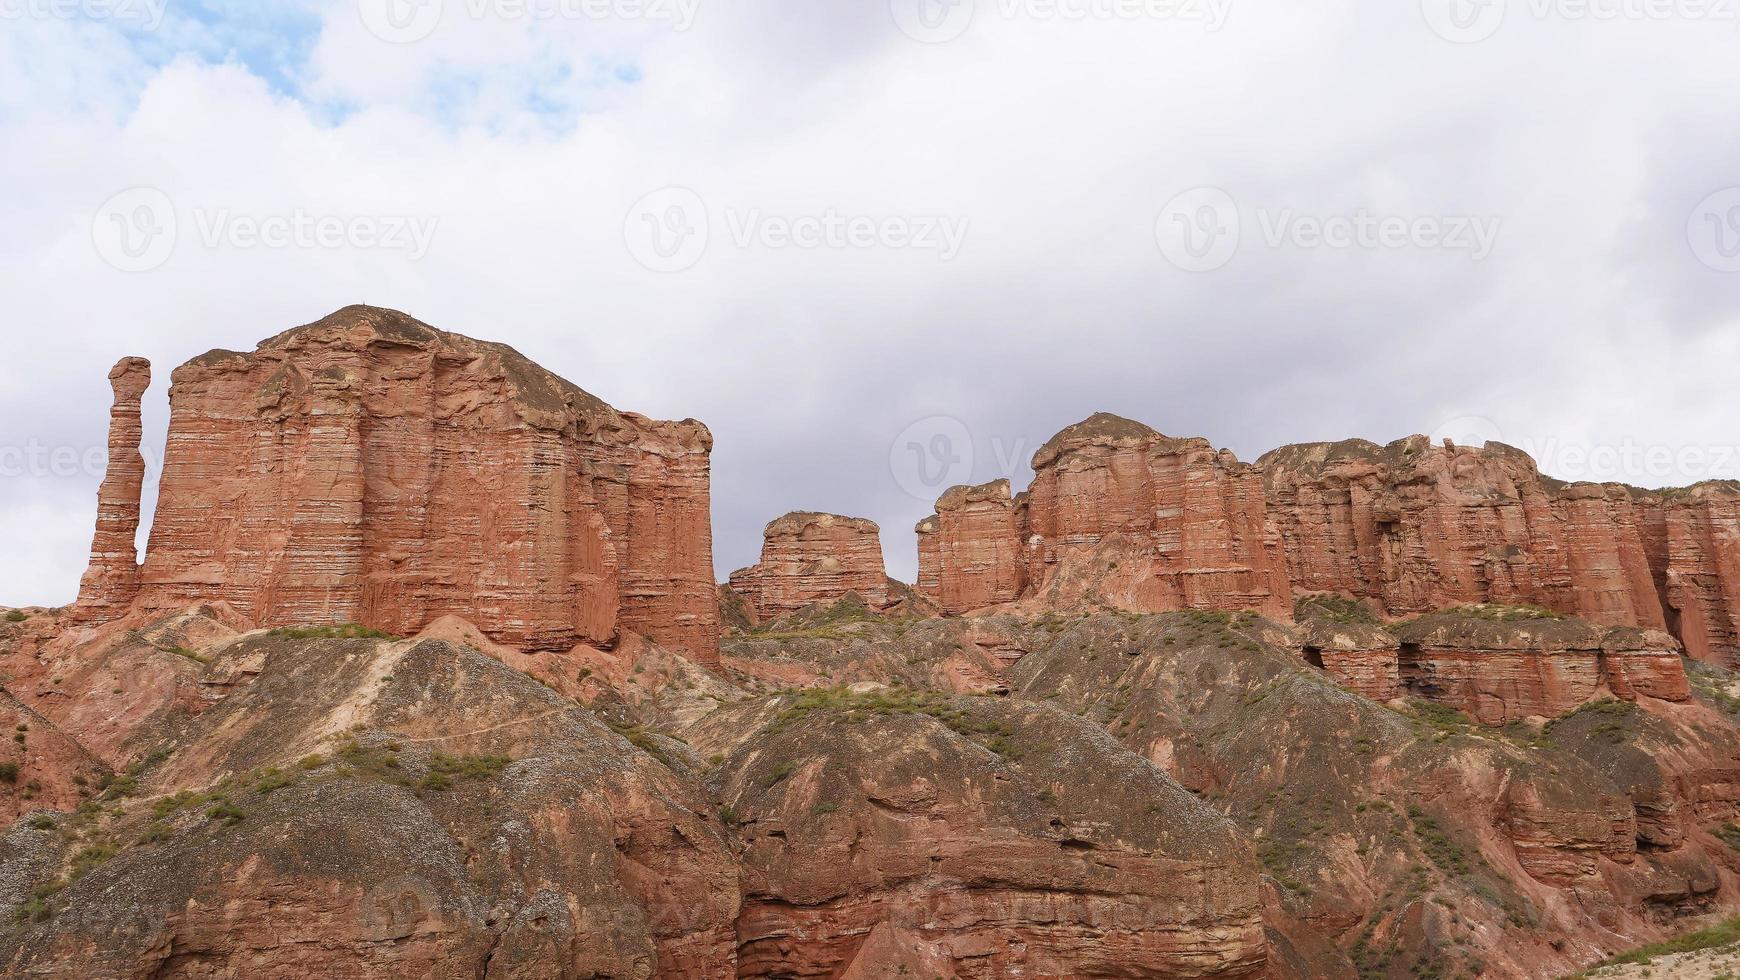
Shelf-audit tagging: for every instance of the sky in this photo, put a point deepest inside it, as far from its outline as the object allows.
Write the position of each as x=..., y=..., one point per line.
x=885, y=246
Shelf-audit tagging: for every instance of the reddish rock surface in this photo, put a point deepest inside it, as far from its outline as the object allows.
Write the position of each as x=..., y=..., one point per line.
x=1694, y=544
x=1498, y=667
x=369, y=468
x=1192, y=520
x=1415, y=527
x=1362, y=658
x=970, y=551
x=809, y=558
x=112, y=580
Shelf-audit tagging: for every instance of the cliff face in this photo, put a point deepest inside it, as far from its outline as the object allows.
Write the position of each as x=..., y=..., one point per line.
x=1117, y=515
x=1693, y=540
x=1415, y=527
x=969, y=551
x=112, y=580
x=368, y=468
x=809, y=558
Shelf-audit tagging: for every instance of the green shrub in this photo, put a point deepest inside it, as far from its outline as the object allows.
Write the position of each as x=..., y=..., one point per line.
x=227, y=812
x=8, y=772
x=16, y=616
x=348, y=631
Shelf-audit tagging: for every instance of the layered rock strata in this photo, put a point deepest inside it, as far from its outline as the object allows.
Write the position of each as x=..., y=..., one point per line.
x=1117, y=515
x=1693, y=538
x=369, y=468
x=809, y=558
x=1414, y=527
x=1500, y=669
x=969, y=551
x=112, y=580
x=1363, y=658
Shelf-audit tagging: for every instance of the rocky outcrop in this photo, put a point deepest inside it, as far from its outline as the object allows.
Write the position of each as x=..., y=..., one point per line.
x=1414, y=527
x=1694, y=545
x=970, y=551
x=954, y=835
x=1500, y=665
x=1190, y=521
x=1363, y=658
x=112, y=580
x=369, y=468
x=809, y=558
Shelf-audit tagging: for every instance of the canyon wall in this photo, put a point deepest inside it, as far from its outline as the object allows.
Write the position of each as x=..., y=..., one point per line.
x=369, y=468
x=970, y=550
x=1693, y=539
x=814, y=558
x=1117, y=515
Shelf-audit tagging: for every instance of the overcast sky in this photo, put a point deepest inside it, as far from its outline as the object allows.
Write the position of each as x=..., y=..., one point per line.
x=879, y=248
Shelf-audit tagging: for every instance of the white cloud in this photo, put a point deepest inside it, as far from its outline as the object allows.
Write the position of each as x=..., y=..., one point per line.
x=528, y=142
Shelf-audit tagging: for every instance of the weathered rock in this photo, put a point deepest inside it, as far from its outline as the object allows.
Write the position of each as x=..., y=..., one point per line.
x=395, y=809
x=1363, y=658
x=1502, y=664
x=112, y=580
x=970, y=551
x=809, y=558
x=369, y=468
x=1004, y=839
x=40, y=767
x=1191, y=520
x=1415, y=527
x=1694, y=544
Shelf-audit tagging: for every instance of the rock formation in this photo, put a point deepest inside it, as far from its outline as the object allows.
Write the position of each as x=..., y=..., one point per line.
x=1694, y=543
x=1117, y=515
x=112, y=580
x=1362, y=657
x=811, y=558
x=1414, y=527
x=969, y=551
x=369, y=468
x=1499, y=665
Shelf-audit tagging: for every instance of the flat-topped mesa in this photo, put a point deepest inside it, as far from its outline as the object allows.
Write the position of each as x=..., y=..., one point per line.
x=1157, y=523
x=970, y=550
x=369, y=468
x=1501, y=664
x=809, y=558
x=1414, y=527
x=112, y=580
x=1693, y=539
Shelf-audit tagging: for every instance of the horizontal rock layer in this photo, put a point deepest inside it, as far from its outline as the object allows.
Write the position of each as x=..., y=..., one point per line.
x=811, y=558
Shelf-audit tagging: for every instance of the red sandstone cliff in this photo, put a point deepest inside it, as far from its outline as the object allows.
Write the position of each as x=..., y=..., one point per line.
x=808, y=558
x=369, y=468
x=1117, y=515
x=1415, y=527
x=112, y=580
x=1693, y=539
x=970, y=551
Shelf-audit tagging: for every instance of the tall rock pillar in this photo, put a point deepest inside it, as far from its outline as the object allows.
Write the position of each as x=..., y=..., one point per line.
x=112, y=579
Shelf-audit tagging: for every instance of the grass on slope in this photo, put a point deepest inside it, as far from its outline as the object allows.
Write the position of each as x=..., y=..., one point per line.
x=1725, y=934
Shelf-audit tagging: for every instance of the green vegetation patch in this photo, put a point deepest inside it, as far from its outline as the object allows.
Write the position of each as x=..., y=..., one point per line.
x=347, y=631
x=1334, y=609
x=1725, y=934
x=842, y=703
x=16, y=616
